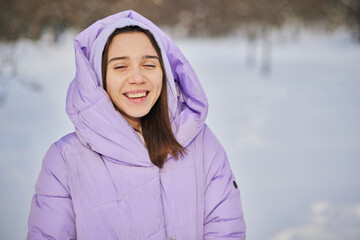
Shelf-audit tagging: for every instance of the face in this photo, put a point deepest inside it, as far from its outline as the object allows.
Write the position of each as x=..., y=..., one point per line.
x=134, y=75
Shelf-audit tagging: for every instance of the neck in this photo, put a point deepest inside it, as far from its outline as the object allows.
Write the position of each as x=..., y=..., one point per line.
x=134, y=122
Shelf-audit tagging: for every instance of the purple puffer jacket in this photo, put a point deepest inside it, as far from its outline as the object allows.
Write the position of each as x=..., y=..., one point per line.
x=99, y=183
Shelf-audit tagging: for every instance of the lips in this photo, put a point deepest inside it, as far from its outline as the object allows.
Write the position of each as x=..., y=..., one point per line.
x=136, y=95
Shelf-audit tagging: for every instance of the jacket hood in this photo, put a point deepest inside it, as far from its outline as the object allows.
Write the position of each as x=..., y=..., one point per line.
x=98, y=125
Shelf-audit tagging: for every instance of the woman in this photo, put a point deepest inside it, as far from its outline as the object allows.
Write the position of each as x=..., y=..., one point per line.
x=142, y=163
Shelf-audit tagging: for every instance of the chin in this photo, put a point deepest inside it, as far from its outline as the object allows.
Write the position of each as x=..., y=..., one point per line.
x=137, y=114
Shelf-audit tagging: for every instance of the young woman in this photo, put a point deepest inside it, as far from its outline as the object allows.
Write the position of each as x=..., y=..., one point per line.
x=142, y=163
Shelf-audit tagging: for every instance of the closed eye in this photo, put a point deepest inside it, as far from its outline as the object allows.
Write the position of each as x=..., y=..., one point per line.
x=119, y=67
x=149, y=66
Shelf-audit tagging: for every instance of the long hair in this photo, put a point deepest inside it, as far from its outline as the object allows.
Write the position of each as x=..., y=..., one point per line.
x=156, y=129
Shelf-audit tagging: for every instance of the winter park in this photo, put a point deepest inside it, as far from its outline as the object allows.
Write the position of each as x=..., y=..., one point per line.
x=284, y=101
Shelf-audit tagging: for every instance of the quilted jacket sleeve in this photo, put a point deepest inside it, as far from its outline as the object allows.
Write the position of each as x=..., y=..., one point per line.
x=51, y=214
x=223, y=215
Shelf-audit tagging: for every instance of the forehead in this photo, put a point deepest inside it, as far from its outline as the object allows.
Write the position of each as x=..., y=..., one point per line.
x=132, y=43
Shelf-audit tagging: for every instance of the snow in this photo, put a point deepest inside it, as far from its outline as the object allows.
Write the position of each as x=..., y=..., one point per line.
x=292, y=137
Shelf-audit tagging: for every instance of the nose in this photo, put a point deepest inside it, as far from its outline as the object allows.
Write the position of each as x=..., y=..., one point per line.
x=136, y=76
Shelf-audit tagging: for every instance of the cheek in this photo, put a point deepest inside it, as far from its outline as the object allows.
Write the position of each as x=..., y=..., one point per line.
x=159, y=81
x=109, y=85
x=113, y=83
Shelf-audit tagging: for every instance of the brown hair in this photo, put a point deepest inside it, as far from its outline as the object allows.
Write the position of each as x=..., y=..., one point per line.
x=156, y=129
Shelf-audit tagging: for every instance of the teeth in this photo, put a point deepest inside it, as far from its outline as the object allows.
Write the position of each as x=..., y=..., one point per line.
x=136, y=95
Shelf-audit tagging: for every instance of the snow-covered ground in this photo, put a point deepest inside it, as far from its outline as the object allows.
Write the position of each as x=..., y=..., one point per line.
x=292, y=137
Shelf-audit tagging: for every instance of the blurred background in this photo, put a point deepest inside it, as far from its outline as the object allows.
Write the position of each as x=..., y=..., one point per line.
x=283, y=82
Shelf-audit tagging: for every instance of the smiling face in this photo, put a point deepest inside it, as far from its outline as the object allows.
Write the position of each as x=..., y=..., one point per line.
x=134, y=75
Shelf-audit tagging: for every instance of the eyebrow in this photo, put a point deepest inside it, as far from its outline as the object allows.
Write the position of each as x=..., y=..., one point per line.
x=117, y=58
x=150, y=57
x=126, y=57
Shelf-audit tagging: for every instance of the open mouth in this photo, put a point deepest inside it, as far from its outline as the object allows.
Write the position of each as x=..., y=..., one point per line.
x=136, y=96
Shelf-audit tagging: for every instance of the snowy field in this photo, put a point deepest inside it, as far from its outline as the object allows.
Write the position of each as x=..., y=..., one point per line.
x=292, y=136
